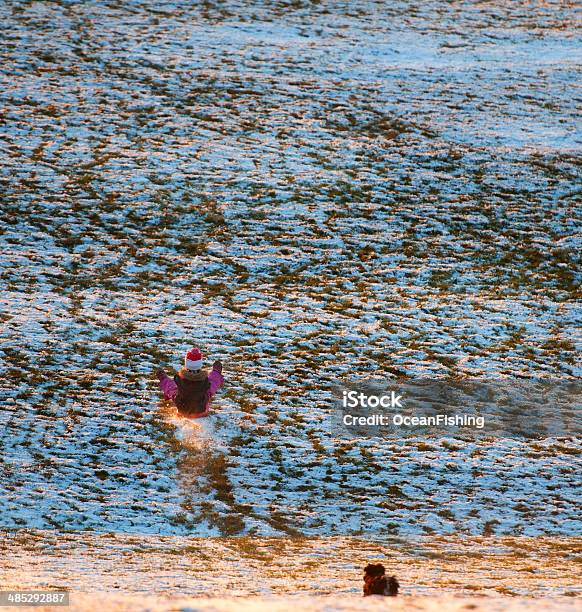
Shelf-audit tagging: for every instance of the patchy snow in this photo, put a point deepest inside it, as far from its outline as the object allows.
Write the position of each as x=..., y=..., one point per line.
x=312, y=193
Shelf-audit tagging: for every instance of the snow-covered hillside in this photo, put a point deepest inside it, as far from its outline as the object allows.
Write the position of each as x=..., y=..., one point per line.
x=312, y=192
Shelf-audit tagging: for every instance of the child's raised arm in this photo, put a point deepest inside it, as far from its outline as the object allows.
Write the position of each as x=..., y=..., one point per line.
x=215, y=378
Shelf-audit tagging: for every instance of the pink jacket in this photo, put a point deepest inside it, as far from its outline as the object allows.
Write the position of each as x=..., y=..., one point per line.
x=170, y=390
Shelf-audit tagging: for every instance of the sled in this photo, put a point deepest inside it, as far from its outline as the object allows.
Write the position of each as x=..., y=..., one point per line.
x=194, y=415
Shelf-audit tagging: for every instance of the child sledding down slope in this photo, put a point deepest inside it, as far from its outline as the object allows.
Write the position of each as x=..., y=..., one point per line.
x=192, y=388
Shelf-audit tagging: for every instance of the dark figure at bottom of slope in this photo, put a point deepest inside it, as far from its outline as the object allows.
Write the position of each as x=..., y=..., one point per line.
x=376, y=582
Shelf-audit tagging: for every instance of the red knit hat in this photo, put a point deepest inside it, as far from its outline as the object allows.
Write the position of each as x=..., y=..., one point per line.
x=193, y=359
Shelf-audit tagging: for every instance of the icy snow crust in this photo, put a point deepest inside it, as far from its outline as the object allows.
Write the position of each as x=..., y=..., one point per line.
x=543, y=568
x=312, y=193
